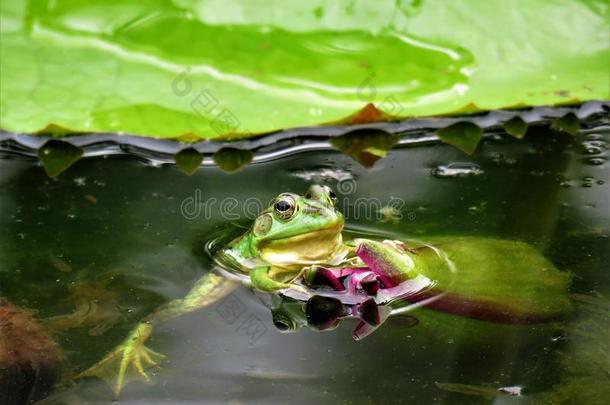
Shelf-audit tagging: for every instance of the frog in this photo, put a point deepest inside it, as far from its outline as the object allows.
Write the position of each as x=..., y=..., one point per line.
x=293, y=237
x=296, y=249
x=293, y=233
x=297, y=237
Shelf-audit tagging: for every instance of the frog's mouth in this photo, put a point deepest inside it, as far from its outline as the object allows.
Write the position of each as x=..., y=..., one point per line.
x=314, y=247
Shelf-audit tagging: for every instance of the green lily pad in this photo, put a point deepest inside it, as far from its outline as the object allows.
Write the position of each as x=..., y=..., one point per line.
x=365, y=147
x=463, y=135
x=569, y=123
x=56, y=156
x=188, y=160
x=232, y=159
x=208, y=70
x=516, y=127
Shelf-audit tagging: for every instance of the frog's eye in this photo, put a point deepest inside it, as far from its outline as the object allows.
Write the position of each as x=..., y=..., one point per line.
x=283, y=323
x=284, y=207
x=262, y=225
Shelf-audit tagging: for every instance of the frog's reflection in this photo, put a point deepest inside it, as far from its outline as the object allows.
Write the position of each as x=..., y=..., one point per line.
x=325, y=313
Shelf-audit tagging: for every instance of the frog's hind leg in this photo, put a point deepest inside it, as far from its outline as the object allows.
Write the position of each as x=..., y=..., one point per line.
x=127, y=362
x=130, y=359
x=387, y=258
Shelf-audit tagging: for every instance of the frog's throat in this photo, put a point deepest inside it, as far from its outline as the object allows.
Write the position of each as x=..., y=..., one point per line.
x=317, y=247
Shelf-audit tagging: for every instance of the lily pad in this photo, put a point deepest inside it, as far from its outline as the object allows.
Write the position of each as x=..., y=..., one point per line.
x=516, y=127
x=232, y=159
x=569, y=123
x=56, y=156
x=208, y=70
x=188, y=160
x=366, y=147
x=463, y=135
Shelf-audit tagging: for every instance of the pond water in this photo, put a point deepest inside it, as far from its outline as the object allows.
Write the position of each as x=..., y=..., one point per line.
x=126, y=237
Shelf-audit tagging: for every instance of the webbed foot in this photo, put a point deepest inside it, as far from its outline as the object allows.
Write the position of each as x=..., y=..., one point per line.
x=127, y=362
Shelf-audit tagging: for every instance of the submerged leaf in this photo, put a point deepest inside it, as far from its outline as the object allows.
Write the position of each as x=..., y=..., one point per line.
x=57, y=156
x=585, y=362
x=516, y=127
x=569, y=123
x=463, y=135
x=498, y=280
x=188, y=160
x=232, y=159
x=365, y=147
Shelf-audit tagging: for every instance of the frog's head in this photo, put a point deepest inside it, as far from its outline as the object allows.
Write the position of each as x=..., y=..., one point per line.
x=298, y=230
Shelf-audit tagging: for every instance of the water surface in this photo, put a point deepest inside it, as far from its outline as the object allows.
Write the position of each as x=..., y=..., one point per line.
x=131, y=236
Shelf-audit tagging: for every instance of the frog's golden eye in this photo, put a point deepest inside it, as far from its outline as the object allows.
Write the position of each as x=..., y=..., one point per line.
x=284, y=207
x=283, y=323
x=262, y=225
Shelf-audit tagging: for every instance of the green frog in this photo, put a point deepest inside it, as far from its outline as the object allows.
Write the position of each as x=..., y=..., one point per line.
x=293, y=233
x=296, y=248
x=297, y=236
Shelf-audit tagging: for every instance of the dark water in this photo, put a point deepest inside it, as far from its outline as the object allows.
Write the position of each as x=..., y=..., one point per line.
x=129, y=237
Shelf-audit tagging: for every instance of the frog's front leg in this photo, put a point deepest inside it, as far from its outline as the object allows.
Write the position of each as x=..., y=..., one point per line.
x=129, y=360
x=261, y=280
x=389, y=258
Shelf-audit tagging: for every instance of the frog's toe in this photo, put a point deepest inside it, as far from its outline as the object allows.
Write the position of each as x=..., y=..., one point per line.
x=128, y=362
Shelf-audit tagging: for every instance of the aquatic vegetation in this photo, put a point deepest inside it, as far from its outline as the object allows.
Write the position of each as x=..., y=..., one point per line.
x=587, y=360
x=188, y=160
x=191, y=71
x=30, y=360
x=568, y=123
x=232, y=159
x=366, y=147
x=57, y=156
x=95, y=307
x=463, y=135
x=516, y=127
